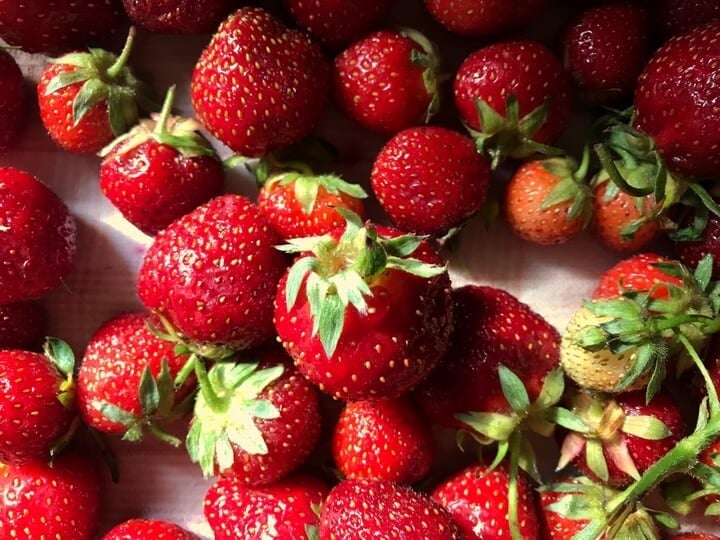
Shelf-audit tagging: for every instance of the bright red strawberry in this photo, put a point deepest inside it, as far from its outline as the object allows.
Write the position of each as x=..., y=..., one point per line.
x=13, y=101
x=515, y=95
x=38, y=402
x=336, y=23
x=160, y=170
x=23, y=325
x=547, y=201
x=50, y=500
x=364, y=312
x=89, y=98
x=484, y=17
x=142, y=529
x=384, y=439
x=388, y=80
x=37, y=237
x=477, y=497
x=636, y=273
x=213, y=273
x=373, y=508
x=178, y=16
x=675, y=17
x=289, y=507
x=125, y=382
x=605, y=49
x=430, y=179
x=40, y=26
x=259, y=86
x=256, y=419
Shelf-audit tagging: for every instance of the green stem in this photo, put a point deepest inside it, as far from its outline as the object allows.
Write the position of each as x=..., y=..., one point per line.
x=678, y=320
x=119, y=64
x=186, y=370
x=212, y=399
x=611, y=169
x=582, y=169
x=161, y=126
x=713, y=401
x=513, y=485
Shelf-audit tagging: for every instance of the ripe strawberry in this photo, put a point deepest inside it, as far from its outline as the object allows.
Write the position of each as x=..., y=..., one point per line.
x=484, y=17
x=141, y=529
x=515, y=96
x=23, y=325
x=337, y=23
x=88, y=98
x=37, y=237
x=376, y=507
x=289, y=508
x=547, y=201
x=605, y=49
x=38, y=402
x=13, y=101
x=384, y=439
x=255, y=420
x=125, y=382
x=430, y=179
x=676, y=17
x=477, y=497
x=639, y=272
x=259, y=86
x=178, y=16
x=364, y=312
x=388, y=80
x=213, y=273
x=160, y=170
x=690, y=251
x=50, y=500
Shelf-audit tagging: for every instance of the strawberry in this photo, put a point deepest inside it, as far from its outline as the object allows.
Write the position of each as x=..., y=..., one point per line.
x=160, y=170
x=289, y=507
x=38, y=402
x=384, y=439
x=178, y=16
x=694, y=536
x=337, y=23
x=256, y=419
x=430, y=179
x=675, y=17
x=388, y=80
x=37, y=237
x=547, y=201
x=140, y=529
x=379, y=507
x=213, y=273
x=88, y=98
x=23, y=325
x=514, y=96
x=259, y=86
x=13, y=101
x=691, y=250
x=639, y=272
x=484, y=17
x=50, y=500
x=364, y=312
x=125, y=381
x=477, y=499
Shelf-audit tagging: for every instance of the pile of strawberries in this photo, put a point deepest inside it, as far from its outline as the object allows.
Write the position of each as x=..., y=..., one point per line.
x=306, y=345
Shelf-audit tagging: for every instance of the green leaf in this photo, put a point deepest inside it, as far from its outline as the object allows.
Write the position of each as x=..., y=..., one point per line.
x=245, y=433
x=316, y=290
x=495, y=426
x=262, y=409
x=91, y=94
x=351, y=288
x=513, y=389
x=595, y=458
x=646, y=427
x=224, y=455
x=656, y=380
x=258, y=381
x=642, y=363
x=114, y=413
x=61, y=355
x=306, y=191
x=416, y=267
x=296, y=276
x=402, y=246
x=490, y=120
x=148, y=393
x=67, y=78
x=330, y=323
x=122, y=109
x=552, y=389
x=567, y=419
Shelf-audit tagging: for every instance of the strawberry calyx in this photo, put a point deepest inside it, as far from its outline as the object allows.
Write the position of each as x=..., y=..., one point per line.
x=306, y=186
x=63, y=358
x=429, y=60
x=572, y=185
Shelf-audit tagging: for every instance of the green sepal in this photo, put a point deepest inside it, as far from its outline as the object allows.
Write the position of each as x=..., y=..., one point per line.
x=312, y=532
x=514, y=390
x=646, y=427
x=494, y=426
x=307, y=185
x=567, y=419
x=67, y=78
x=61, y=355
x=596, y=459
x=712, y=509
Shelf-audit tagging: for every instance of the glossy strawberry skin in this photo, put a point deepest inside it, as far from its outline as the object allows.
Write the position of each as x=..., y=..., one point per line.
x=37, y=237
x=13, y=101
x=213, y=273
x=139, y=529
x=23, y=325
x=635, y=273
x=178, y=16
x=259, y=86
x=430, y=179
x=484, y=17
x=235, y=510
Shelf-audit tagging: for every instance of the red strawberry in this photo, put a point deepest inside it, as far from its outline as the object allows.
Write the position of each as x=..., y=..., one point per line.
x=178, y=16
x=213, y=273
x=50, y=500
x=141, y=529
x=88, y=98
x=364, y=312
x=336, y=23
x=515, y=95
x=289, y=507
x=383, y=439
x=430, y=179
x=13, y=101
x=675, y=17
x=37, y=237
x=605, y=49
x=255, y=420
x=690, y=250
x=38, y=402
x=376, y=507
x=484, y=17
x=636, y=273
x=259, y=86
x=23, y=325
x=388, y=80
x=160, y=170
x=477, y=497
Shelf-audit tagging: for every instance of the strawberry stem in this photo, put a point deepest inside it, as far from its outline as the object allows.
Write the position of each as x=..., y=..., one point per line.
x=713, y=401
x=513, y=485
x=612, y=171
x=212, y=399
x=161, y=126
x=114, y=70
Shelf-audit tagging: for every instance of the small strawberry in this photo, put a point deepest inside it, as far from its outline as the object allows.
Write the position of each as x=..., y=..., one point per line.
x=37, y=237
x=23, y=325
x=484, y=17
x=178, y=16
x=388, y=80
x=213, y=273
x=384, y=439
x=160, y=170
x=430, y=179
x=289, y=508
x=639, y=272
x=142, y=529
x=13, y=101
x=259, y=86
x=376, y=508
x=676, y=17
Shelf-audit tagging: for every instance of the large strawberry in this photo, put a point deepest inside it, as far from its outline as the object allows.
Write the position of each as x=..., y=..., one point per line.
x=37, y=237
x=259, y=86
x=364, y=312
x=140, y=529
x=178, y=16
x=23, y=325
x=13, y=101
x=484, y=17
x=213, y=273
